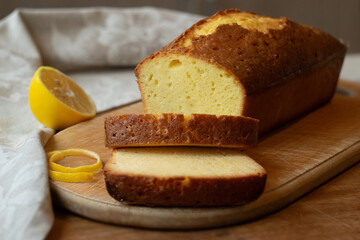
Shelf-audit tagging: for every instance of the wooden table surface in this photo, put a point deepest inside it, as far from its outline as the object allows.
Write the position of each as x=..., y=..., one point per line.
x=330, y=212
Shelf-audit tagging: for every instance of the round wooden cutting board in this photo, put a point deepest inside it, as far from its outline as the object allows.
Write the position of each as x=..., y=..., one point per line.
x=298, y=158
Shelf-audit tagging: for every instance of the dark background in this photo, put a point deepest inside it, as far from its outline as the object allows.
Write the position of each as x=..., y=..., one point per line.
x=341, y=18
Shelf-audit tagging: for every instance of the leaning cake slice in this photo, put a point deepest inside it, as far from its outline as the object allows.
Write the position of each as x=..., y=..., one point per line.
x=183, y=176
x=134, y=130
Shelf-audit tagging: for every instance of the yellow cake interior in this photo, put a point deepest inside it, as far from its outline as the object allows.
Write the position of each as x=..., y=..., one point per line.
x=184, y=161
x=173, y=83
x=182, y=84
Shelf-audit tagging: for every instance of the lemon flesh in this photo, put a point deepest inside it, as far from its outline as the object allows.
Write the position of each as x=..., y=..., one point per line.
x=58, y=102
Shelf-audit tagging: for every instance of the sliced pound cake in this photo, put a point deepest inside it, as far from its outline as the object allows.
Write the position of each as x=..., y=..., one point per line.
x=183, y=176
x=238, y=63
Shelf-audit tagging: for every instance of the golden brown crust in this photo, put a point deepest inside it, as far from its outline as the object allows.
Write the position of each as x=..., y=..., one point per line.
x=273, y=62
x=176, y=129
x=184, y=191
x=286, y=102
x=260, y=61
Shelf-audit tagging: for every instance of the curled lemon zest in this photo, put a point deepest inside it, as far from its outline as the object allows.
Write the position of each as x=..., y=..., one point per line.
x=67, y=174
x=71, y=177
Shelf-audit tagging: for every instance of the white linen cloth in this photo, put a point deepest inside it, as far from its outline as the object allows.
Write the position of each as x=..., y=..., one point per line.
x=67, y=39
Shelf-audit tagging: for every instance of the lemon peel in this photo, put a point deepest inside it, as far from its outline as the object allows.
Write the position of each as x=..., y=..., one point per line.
x=71, y=177
x=67, y=174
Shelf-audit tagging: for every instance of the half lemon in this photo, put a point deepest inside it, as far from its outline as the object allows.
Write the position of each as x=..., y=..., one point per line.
x=58, y=102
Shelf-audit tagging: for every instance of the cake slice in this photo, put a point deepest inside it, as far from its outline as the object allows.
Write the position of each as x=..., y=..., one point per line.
x=183, y=176
x=239, y=63
x=133, y=130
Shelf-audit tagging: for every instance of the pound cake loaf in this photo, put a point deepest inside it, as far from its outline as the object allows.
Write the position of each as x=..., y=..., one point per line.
x=183, y=176
x=180, y=130
x=239, y=63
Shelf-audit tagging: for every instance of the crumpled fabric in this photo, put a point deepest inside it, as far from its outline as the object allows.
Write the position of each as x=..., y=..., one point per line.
x=98, y=48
